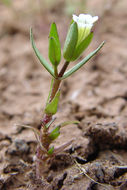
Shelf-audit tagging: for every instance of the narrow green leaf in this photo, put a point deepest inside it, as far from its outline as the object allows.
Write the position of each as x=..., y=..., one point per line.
x=68, y=123
x=50, y=151
x=35, y=130
x=54, y=133
x=81, y=63
x=50, y=123
x=40, y=57
x=51, y=108
x=70, y=42
x=54, y=46
x=82, y=46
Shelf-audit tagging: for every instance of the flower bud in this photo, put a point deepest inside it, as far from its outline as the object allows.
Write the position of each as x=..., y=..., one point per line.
x=85, y=23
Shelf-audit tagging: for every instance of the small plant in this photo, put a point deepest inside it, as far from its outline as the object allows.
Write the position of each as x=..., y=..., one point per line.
x=78, y=38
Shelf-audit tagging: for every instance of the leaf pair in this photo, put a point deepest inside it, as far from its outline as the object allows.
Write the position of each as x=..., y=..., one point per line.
x=70, y=52
x=54, y=50
x=55, y=133
x=40, y=57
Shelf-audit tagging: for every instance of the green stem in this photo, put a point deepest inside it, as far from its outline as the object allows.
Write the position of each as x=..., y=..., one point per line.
x=55, y=87
x=47, y=118
x=57, y=82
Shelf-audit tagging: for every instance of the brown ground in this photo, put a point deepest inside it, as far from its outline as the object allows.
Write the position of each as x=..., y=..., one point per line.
x=96, y=95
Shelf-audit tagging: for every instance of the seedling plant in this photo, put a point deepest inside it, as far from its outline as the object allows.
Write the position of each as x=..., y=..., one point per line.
x=78, y=38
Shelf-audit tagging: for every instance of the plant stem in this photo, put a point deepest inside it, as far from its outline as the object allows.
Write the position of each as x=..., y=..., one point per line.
x=63, y=69
x=55, y=71
x=46, y=119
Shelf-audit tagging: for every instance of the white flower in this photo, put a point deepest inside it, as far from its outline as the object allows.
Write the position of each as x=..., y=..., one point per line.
x=85, y=23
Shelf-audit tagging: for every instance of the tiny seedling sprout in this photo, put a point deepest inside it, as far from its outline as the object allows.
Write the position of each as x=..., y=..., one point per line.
x=78, y=38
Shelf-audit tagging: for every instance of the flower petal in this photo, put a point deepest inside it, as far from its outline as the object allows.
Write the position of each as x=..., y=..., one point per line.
x=85, y=23
x=75, y=18
x=85, y=18
x=95, y=18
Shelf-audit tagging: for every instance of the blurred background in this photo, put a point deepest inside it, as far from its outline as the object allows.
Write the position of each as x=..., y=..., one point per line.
x=95, y=94
x=24, y=83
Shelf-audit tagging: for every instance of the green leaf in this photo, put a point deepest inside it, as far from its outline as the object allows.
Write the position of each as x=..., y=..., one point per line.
x=53, y=33
x=70, y=42
x=35, y=130
x=50, y=151
x=81, y=63
x=54, y=46
x=51, y=108
x=50, y=123
x=40, y=57
x=53, y=52
x=68, y=123
x=54, y=133
x=82, y=46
